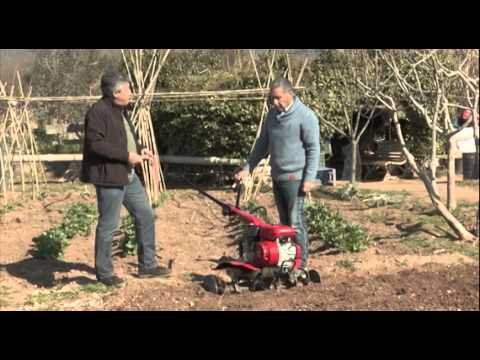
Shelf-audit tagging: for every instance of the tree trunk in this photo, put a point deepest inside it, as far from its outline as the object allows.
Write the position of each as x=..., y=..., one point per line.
x=434, y=162
x=454, y=224
x=451, y=196
x=353, y=171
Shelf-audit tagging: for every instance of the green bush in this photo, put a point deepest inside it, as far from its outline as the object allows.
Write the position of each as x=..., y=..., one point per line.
x=50, y=244
x=334, y=229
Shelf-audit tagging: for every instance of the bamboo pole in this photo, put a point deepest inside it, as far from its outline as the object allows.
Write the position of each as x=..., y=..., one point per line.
x=3, y=167
x=3, y=178
x=8, y=167
x=36, y=186
x=172, y=159
x=28, y=137
x=16, y=144
x=160, y=96
x=8, y=164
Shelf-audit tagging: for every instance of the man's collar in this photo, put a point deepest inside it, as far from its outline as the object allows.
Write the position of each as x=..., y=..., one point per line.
x=289, y=106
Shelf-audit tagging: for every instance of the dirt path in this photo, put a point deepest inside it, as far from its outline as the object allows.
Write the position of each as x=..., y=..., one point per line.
x=416, y=188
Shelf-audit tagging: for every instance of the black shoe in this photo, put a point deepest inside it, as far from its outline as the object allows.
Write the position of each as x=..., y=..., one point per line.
x=112, y=281
x=158, y=271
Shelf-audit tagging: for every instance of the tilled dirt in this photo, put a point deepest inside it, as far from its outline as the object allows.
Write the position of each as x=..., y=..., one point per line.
x=192, y=231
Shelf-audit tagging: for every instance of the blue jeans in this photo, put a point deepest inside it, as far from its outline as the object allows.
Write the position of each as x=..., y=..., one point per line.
x=290, y=200
x=109, y=202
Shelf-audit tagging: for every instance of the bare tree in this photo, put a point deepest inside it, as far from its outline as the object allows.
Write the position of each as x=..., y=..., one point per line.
x=340, y=103
x=407, y=70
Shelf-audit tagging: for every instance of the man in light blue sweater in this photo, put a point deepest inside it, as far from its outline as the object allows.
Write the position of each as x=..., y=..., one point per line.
x=291, y=135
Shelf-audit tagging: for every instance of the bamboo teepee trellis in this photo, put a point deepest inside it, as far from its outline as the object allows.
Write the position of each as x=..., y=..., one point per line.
x=16, y=138
x=143, y=67
x=259, y=175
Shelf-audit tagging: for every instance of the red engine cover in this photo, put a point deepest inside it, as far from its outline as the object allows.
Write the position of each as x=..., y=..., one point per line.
x=272, y=232
x=266, y=253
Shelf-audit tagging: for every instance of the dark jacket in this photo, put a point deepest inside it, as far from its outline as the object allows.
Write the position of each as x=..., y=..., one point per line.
x=105, y=151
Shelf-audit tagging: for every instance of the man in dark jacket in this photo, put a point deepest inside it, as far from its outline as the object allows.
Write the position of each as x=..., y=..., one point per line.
x=110, y=154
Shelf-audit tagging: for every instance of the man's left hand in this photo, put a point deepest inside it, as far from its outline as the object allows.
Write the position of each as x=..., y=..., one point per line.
x=147, y=153
x=308, y=186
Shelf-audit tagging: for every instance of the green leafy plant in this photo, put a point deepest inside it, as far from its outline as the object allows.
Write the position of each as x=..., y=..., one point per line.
x=334, y=230
x=128, y=244
x=77, y=220
x=50, y=244
x=7, y=208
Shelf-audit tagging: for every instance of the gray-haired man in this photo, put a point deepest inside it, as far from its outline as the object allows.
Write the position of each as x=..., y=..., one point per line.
x=111, y=153
x=291, y=136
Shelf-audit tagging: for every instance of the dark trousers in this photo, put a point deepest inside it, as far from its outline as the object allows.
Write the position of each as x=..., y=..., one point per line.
x=290, y=200
x=109, y=202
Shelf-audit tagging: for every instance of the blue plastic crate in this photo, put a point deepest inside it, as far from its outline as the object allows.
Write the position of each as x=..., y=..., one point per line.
x=327, y=176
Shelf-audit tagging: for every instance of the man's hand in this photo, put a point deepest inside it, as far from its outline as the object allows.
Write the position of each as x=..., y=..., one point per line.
x=241, y=176
x=147, y=153
x=308, y=186
x=135, y=159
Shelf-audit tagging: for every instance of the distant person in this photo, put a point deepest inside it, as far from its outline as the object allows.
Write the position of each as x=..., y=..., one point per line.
x=291, y=135
x=463, y=118
x=111, y=153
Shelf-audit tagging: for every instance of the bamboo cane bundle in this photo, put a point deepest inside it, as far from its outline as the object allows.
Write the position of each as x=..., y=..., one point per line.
x=143, y=67
x=17, y=139
x=257, y=179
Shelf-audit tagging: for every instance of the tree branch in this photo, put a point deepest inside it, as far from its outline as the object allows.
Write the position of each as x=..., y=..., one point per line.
x=331, y=125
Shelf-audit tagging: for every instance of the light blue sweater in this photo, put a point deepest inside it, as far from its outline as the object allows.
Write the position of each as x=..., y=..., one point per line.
x=293, y=141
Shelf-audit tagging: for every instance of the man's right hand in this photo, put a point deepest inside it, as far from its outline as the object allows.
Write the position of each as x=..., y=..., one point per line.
x=135, y=159
x=242, y=175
